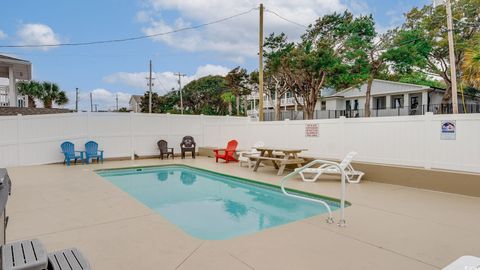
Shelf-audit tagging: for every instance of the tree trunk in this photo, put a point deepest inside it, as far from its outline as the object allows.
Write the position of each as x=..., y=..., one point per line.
x=277, y=107
x=31, y=102
x=230, y=109
x=245, y=105
x=48, y=104
x=368, y=94
x=237, y=103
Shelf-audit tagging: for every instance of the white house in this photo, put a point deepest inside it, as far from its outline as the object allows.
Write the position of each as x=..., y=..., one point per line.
x=11, y=70
x=135, y=102
x=390, y=98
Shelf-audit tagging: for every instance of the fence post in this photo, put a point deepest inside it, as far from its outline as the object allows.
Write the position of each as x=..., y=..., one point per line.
x=428, y=139
x=132, y=136
x=19, y=140
x=342, y=141
x=203, y=129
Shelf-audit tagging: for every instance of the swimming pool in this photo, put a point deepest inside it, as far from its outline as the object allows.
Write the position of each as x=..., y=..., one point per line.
x=209, y=205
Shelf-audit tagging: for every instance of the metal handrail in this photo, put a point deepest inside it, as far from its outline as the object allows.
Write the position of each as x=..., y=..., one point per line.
x=341, y=222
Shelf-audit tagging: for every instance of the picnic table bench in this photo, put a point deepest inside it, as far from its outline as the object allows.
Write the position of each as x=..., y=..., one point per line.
x=280, y=157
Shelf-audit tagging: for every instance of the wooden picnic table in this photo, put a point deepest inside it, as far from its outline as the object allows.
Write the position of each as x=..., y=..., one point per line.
x=280, y=157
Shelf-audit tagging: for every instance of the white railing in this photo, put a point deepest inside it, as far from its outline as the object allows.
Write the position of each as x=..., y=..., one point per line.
x=4, y=98
x=341, y=222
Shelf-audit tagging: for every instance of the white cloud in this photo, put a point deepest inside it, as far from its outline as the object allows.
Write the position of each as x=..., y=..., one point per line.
x=164, y=81
x=236, y=38
x=2, y=34
x=103, y=98
x=37, y=34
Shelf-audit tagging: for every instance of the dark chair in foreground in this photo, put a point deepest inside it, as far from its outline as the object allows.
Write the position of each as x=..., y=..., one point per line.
x=188, y=145
x=164, y=149
x=68, y=150
x=31, y=254
x=92, y=152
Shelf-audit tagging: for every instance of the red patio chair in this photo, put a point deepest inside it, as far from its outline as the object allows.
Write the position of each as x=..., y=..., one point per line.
x=227, y=153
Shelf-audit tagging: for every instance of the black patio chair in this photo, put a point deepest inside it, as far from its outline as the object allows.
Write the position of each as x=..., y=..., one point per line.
x=188, y=145
x=164, y=149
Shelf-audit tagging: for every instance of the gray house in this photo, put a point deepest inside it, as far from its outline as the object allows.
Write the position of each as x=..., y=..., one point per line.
x=390, y=98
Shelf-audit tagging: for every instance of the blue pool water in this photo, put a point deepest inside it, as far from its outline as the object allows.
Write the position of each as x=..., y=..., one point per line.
x=211, y=206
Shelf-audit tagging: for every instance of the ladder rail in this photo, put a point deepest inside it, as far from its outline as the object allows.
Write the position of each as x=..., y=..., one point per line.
x=341, y=222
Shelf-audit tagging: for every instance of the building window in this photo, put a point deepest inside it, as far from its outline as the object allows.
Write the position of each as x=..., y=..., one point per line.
x=348, y=105
x=323, y=105
x=355, y=104
x=380, y=103
x=397, y=102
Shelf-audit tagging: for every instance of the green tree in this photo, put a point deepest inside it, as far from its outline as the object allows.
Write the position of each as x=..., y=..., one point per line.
x=471, y=67
x=50, y=93
x=331, y=54
x=236, y=80
x=228, y=98
x=276, y=52
x=31, y=89
x=203, y=95
x=422, y=42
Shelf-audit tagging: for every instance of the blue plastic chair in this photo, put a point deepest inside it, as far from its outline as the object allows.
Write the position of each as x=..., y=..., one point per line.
x=68, y=150
x=91, y=151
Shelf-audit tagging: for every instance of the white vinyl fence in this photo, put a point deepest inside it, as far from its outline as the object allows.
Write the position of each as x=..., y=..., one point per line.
x=408, y=140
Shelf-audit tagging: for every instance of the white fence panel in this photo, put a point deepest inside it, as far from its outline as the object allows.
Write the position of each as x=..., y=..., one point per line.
x=409, y=140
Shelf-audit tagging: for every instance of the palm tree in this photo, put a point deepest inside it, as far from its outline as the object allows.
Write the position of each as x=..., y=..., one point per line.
x=31, y=89
x=228, y=98
x=471, y=67
x=51, y=93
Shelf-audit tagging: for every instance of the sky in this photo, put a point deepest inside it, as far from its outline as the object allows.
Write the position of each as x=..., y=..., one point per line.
x=120, y=69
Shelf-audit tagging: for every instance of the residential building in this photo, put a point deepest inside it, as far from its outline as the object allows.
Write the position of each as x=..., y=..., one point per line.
x=135, y=102
x=390, y=98
x=12, y=70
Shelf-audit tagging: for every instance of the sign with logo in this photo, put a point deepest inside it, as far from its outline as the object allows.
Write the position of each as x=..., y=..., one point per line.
x=311, y=130
x=448, y=130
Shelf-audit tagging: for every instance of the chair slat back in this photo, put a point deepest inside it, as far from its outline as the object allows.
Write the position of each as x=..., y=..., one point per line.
x=232, y=146
x=188, y=142
x=91, y=147
x=68, y=148
x=162, y=145
x=347, y=160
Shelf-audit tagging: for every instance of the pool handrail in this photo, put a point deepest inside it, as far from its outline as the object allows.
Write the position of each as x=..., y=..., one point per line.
x=341, y=222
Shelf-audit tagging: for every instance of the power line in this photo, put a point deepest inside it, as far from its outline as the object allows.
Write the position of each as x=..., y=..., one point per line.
x=285, y=19
x=129, y=38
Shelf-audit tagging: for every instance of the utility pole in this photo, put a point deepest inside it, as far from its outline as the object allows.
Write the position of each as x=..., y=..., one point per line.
x=150, y=89
x=116, y=99
x=260, y=66
x=76, y=99
x=180, y=75
x=91, y=102
x=451, y=51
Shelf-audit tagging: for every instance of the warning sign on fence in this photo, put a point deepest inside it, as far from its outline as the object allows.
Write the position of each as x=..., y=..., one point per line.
x=311, y=130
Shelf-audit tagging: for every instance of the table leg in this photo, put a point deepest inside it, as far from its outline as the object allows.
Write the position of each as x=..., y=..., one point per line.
x=283, y=164
x=257, y=164
x=275, y=165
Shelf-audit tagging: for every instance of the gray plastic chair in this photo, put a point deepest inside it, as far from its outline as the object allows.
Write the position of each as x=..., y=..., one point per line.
x=188, y=145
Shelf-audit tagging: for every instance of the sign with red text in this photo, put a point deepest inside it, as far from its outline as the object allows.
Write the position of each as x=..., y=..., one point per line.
x=311, y=130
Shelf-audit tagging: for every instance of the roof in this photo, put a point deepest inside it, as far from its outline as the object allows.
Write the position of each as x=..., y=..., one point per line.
x=22, y=68
x=137, y=98
x=381, y=87
x=7, y=58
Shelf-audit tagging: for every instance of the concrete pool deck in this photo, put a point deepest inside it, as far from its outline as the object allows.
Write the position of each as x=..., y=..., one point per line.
x=388, y=226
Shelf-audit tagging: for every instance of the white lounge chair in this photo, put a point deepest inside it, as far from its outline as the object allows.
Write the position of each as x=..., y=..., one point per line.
x=351, y=174
x=244, y=157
